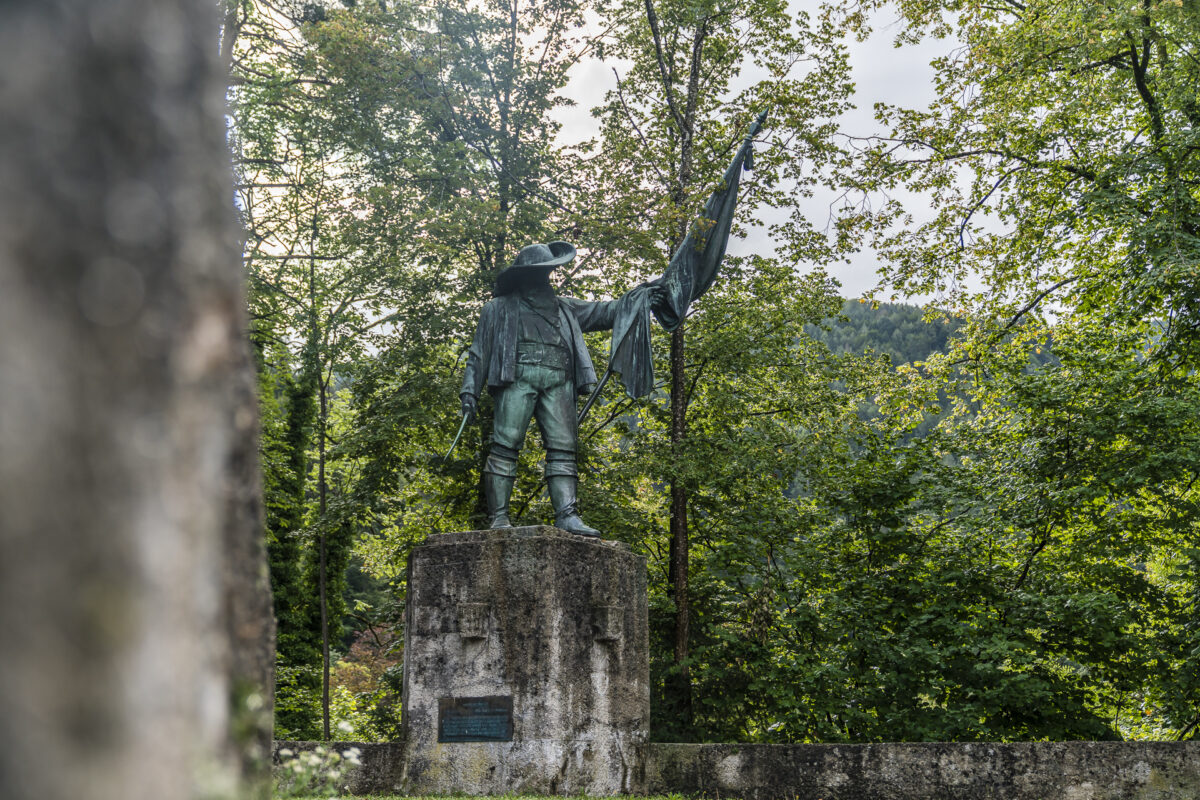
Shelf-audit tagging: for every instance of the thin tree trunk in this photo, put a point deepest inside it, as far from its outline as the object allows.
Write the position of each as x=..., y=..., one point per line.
x=230, y=28
x=679, y=527
x=127, y=457
x=680, y=538
x=322, y=422
x=322, y=571
x=249, y=599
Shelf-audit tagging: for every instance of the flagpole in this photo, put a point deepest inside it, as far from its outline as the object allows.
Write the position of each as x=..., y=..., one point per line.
x=743, y=156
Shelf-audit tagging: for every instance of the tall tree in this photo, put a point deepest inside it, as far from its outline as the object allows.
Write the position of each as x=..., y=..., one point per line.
x=667, y=131
x=314, y=293
x=131, y=570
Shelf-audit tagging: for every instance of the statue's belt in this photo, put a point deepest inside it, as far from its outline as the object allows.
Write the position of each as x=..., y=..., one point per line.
x=543, y=354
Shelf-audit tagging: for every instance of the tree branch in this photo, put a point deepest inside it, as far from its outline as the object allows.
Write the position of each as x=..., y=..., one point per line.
x=1140, y=64
x=971, y=211
x=1032, y=303
x=652, y=18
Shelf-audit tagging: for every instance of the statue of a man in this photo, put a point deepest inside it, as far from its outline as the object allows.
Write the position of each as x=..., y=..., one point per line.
x=529, y=352
x=529, y=349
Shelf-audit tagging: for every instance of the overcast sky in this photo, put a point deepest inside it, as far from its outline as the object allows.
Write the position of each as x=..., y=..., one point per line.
x=882, y=72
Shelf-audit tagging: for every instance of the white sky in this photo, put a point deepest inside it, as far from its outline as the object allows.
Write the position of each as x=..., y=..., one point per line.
x=882, y=73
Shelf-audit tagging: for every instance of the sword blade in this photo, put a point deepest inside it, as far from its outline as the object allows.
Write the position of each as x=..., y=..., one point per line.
x=595, y=394
x=461, y=427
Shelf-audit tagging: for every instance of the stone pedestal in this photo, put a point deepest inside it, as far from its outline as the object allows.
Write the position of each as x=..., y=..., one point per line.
x=548, y=624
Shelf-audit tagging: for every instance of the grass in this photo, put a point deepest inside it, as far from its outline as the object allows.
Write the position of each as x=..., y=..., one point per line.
x=499, y=797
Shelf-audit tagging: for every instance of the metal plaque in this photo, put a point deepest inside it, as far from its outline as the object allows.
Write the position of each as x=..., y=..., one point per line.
x=475, y=719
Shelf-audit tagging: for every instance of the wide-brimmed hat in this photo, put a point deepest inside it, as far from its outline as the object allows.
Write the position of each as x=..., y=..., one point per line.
x=532, y=259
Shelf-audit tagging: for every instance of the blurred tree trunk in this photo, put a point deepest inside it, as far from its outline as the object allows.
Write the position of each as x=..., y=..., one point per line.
x=134, y=604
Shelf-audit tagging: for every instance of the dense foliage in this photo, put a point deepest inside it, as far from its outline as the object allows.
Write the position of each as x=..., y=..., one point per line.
x=863, y=522
x=1061, y=157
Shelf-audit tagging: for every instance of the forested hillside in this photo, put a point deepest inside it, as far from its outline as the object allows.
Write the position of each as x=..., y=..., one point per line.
x=1003, y=548
x=901, y=332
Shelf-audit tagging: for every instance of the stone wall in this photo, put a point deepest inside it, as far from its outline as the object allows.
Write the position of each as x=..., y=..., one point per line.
x=929, y=771
x=915, y=771
x=379, y=772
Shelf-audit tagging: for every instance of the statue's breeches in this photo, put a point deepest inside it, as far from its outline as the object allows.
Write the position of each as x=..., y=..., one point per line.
x=546, y=394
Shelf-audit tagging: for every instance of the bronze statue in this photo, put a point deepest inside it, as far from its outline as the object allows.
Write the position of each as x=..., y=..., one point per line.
x=529, y=351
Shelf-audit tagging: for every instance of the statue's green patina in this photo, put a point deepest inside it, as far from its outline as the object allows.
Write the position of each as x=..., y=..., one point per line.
x=529, y=351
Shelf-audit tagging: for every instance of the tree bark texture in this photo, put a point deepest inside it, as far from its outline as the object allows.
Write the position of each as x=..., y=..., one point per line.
x=134, y=603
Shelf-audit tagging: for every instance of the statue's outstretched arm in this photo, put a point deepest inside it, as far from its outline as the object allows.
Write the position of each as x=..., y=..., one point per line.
x=592, y=315
x=603, y=315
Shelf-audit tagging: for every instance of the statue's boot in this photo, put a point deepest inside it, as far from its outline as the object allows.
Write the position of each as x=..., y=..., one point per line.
x=497, y=489
x=566, y=509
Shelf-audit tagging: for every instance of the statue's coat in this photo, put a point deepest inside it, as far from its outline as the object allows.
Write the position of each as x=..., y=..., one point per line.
x=492, y=358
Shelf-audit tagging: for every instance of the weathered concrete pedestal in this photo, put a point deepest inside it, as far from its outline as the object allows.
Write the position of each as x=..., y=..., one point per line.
x=525, y=665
